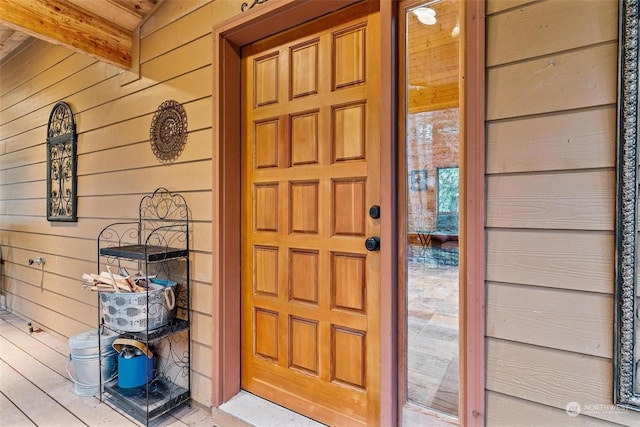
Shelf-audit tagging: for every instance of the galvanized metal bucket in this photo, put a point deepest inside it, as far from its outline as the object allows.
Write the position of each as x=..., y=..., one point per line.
x=87, y=364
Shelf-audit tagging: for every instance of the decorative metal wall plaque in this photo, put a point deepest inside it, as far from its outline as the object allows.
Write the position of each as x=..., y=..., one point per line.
x=62, y=143
x=245, y=5
x=627, y=294
x=168, y=134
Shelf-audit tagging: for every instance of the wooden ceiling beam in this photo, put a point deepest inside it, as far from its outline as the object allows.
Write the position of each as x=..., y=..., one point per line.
x=60, y=22
x=110, y=11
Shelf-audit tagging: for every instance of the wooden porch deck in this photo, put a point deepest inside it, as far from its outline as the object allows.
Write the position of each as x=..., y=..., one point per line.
x=36, y=391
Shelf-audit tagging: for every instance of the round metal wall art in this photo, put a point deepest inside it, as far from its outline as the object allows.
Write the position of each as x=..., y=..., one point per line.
x=168, y=134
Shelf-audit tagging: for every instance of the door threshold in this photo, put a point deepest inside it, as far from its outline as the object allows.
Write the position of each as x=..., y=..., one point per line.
x=260, y=412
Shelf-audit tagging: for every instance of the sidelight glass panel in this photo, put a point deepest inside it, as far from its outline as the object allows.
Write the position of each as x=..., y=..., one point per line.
x=432, y=157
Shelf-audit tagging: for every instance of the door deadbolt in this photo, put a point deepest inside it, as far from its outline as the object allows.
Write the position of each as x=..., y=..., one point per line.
x=374, y=211
x=372, y=243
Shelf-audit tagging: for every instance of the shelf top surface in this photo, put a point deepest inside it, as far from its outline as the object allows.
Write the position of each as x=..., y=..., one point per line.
x=144, y=252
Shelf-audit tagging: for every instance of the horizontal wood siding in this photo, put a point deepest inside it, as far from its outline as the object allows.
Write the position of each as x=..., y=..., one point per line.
x=564, y=81
x=505, y=410
x=576, y=200
x=531, y=314
x=558, y=141
x=116, y=166
x=551, y=129
x=551, y=258
x=560, y=30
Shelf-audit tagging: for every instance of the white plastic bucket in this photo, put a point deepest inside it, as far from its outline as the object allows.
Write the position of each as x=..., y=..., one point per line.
x=86, y=361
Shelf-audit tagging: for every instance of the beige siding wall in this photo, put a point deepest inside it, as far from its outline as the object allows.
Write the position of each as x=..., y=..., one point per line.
x=551, y=94
x=115, y=166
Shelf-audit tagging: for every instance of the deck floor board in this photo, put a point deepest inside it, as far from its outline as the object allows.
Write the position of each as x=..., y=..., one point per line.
x=35, y=388
x=12, y=415
x=34, y=402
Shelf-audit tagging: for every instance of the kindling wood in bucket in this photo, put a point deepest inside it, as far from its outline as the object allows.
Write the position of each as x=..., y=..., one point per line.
x=125, y=306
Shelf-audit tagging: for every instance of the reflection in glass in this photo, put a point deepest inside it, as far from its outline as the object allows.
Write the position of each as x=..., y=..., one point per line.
x=432, y=206
x=448, y=190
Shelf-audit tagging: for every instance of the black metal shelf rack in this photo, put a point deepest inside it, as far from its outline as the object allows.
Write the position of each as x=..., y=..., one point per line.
x=156, y=245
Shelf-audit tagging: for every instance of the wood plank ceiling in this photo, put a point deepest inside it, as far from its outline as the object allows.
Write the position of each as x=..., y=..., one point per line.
x=100, y=28
x=434, y=59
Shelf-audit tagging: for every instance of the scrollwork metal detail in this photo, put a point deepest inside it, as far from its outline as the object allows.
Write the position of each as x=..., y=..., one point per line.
x=245, y=5
x=168, y=134
x=61, y=164
x=626, y=292
x=61, y=121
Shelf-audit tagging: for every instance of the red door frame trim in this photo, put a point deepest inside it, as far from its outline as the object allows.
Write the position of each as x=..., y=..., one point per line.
x=473, y=196
x=271, y=18
x=388, y=201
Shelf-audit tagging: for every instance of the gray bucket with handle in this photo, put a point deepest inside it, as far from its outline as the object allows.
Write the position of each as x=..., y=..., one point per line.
x=86, y=361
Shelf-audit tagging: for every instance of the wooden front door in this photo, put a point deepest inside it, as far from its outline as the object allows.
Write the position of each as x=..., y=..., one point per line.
x=310, y=174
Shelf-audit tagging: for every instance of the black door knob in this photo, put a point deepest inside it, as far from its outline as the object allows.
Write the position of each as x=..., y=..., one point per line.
x=374, y=211
x=372, y=243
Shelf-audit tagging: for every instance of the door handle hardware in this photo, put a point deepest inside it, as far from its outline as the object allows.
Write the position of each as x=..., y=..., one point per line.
x=372, y=243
